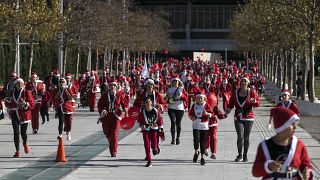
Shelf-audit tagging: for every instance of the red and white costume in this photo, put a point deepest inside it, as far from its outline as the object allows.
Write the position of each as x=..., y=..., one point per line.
x=291, y=105
x=36, y=90
x=110, y=122
x=202, y=121
x=152, y=123
x=91, y=85
x=244, y=111
x=157, y=100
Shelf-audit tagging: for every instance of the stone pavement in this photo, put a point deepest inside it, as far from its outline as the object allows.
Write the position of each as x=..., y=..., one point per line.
x=89, y=158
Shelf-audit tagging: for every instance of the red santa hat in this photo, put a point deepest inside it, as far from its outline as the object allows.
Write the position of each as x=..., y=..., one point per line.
x=68, y=75
x=127, y=79
x=282, y=118
x=285, y=91
x=62, y=79
x=114, y=82
x=122, y=78
x=56, y=72
x=147, y=81
x=246, y=78
x=201, y=93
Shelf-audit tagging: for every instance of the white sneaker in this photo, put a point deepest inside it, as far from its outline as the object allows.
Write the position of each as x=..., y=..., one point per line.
x=68, y=136
x=60, y=135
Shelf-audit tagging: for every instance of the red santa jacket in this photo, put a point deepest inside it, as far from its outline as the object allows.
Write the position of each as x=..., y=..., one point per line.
x=191, y=90
x=45, y=98
x=74, y=91
x=158, y=99
x=208, y=88
x=244, y=111
x=291, y=105
x=158, y=121
x=16, y=107
x=91, y=84
x=298, y=158
x=62, y=100
x=36, y=90
x=119, y=101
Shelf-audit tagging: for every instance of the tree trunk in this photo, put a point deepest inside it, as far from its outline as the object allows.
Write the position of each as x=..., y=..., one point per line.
x=111, y=62
x=285, y=67
x=304, y=74
x=65, y=60
x=275, y=67
x=311, y=70
x=97, y=63
x=289, y=65
x=78, y=61
x=31, y=59
x=279, y=70
x=117, y=64
x=294, y=61
x=123, y=61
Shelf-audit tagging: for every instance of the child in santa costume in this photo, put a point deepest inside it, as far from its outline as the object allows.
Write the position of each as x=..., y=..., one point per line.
x=283, y=156
x=200, y=113
x=45, y=101
x=287, y=103
x=150, y=122
x=212, y=132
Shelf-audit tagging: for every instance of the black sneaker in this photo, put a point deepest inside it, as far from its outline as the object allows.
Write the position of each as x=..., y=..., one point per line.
x=35, y=131
x=238, y=159
x=43, y=122
x=149, y=164
x=245, y=158
x=206, y=153
x=177, y=141
x=203, y=162
x=154, y=152
x=195, y=157
x=146, y=159
x=173, y=142
x=158, y=150
x=213, y=156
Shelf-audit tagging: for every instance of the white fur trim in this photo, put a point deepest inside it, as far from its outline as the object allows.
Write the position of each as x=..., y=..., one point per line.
x=246, y=79
x=266, y=168
x=287, y=124
x=148, y=81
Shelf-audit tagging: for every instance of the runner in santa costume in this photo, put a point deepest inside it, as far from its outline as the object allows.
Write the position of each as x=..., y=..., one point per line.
x=200, y=113
x=244, y=100
x=104, y=79
x=157, y=100
x=191, y=89
x=212, y=132
x=287, y=103
x=110, y=114
x=45, y=102
x=176, y=95
x=62, y=97
x=92, y=83
x=73, y=89
x=19, y=107
x=283, y=156
x=150, y=122
x=126, y=88
x=36, y=88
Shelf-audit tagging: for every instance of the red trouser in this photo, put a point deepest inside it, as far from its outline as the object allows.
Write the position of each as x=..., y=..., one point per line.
x=92, y=99
x=212, y=139
x=150, y=137
x=110, y=129
x=35, y=116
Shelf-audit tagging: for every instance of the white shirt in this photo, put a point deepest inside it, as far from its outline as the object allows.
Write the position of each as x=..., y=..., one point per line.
x=178, y=105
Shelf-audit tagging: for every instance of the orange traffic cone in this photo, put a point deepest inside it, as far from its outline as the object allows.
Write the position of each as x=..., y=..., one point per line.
x=61, y=156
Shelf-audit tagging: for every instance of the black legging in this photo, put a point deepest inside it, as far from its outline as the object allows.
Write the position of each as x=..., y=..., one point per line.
x=200, y=137
x=15, y=125
x=44, y=113
x=62, y=117
x=175, y=118
x=243, y=129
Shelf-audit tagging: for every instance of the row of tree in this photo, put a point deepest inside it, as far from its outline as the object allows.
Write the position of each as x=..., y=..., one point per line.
x=285, y=35
x=88, y=29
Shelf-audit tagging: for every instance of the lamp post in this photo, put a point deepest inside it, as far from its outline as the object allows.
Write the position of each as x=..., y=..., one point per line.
x=60, y=44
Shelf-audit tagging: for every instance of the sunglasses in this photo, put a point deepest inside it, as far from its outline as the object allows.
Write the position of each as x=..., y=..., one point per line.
x=60, y=82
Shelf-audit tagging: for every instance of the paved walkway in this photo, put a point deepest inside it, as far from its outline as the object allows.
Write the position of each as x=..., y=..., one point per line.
x=89, y=158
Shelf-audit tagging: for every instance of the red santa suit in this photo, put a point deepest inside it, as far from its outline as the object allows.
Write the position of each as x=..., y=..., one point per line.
x=244, y=111
x=23, y=113
x=291, y=105
x=62, y=99
x=213, y=127
x=293, y=157
x=191, y=90
x=157, y=100
x=152, y=123
x=110, y=122
x=36, y=90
